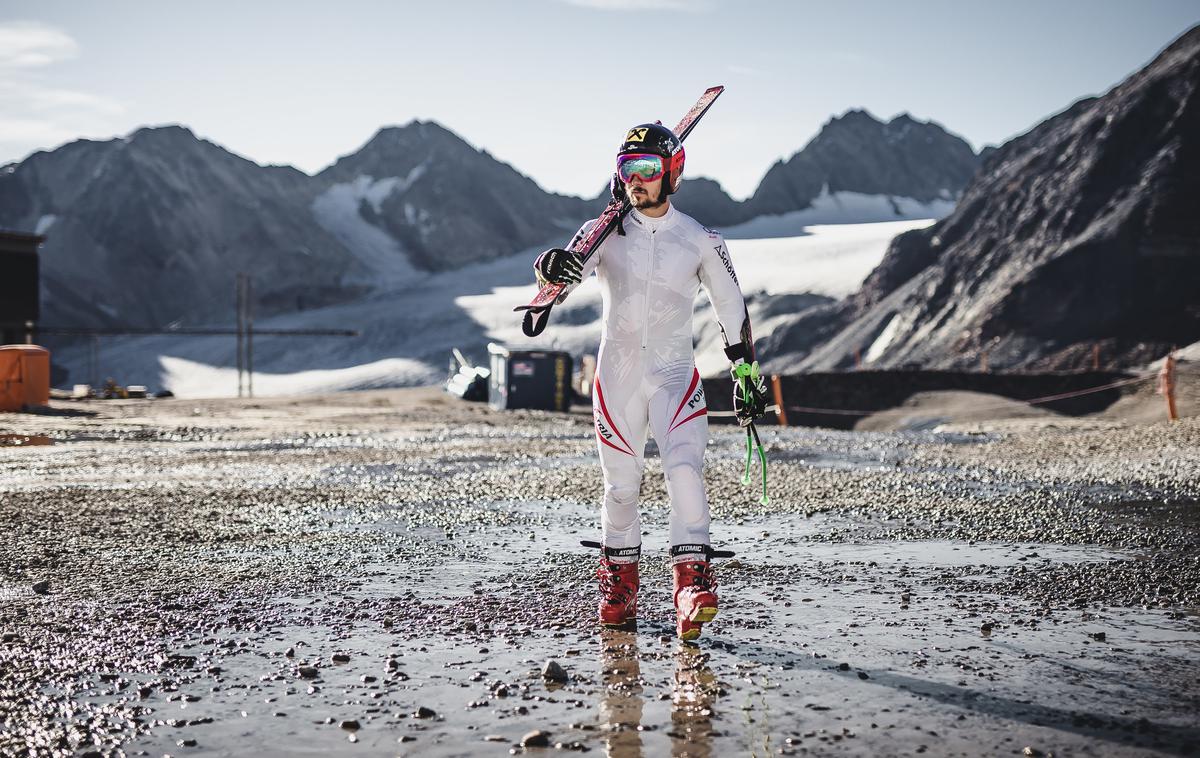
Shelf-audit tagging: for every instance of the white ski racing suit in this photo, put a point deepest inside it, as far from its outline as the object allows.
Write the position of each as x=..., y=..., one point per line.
x=646, y=377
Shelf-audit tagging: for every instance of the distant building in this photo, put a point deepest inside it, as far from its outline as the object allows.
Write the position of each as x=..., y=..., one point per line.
x=19, y=301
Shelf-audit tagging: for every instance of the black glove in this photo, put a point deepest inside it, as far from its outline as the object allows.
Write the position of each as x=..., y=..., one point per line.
x=558, y=266
x=616, y=188
x=749, y=389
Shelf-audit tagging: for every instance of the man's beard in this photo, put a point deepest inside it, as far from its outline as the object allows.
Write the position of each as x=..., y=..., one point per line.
x=646, y=202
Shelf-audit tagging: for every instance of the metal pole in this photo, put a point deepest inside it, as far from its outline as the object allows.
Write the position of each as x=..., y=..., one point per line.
x=249, y=336
x=238, y=310
x=95, y=361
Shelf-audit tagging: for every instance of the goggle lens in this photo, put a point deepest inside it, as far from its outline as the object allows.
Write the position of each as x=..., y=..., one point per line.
x=646, y=167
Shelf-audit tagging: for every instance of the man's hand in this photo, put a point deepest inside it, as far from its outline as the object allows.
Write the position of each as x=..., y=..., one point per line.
x=558, y=266
x=749, y=392
x=616, y=188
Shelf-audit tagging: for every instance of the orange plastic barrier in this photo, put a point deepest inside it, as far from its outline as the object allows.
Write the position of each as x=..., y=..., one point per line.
x=24, y=376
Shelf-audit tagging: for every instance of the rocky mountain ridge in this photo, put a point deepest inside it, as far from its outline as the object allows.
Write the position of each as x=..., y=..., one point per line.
x=148, y=230
x=1080, y=233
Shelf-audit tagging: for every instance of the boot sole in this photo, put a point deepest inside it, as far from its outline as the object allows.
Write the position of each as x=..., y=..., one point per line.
x=699, y=616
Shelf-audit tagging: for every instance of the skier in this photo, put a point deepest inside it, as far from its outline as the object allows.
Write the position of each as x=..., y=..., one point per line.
x=646, y=378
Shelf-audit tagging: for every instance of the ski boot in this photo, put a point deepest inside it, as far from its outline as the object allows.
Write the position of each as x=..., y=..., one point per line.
x=618, y=575
x=695, y=588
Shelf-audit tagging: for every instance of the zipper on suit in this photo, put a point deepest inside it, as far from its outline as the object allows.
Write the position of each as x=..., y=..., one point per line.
x=649, y=278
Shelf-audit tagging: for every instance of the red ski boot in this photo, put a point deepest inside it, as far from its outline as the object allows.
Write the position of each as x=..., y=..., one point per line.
x=618, y=574
x=695, y=596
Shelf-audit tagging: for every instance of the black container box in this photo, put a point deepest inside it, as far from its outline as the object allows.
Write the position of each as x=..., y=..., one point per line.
x=538, y=379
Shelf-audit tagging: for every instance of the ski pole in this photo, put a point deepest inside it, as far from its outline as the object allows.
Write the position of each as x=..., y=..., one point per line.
x=752, y=440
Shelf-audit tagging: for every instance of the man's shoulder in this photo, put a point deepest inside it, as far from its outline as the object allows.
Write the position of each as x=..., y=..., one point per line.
x=583, y=231
x=694, y=226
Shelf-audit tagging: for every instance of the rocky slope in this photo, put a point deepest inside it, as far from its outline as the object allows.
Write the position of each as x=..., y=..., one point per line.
x=149, y=230
x=1082, y=231
x=446, y=203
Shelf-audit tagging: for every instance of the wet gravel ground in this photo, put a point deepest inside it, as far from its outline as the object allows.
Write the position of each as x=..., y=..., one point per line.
x=388, y=573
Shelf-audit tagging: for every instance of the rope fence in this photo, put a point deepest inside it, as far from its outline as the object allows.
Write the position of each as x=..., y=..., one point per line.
x=1165, y=378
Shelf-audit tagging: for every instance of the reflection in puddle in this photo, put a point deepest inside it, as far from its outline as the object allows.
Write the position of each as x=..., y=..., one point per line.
x=623, y=703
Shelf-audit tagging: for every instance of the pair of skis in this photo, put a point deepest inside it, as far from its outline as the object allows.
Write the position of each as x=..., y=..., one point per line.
x=537, y=312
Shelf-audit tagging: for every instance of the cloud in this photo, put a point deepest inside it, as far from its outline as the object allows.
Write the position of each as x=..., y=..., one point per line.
x=33, y=114
x=632, y=5
x=31, y=44
x=26, y=97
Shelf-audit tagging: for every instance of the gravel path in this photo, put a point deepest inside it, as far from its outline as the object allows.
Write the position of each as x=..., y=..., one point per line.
x=389, y=572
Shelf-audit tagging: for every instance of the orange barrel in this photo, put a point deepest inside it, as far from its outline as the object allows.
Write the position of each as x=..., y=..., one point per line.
x=24, y=376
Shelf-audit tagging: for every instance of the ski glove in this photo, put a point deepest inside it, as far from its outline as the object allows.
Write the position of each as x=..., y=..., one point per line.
x=616, y=188
x=749, y=392
x=558, y=266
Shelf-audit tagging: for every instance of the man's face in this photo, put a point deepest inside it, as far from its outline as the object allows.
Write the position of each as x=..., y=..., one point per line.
x=644, y=194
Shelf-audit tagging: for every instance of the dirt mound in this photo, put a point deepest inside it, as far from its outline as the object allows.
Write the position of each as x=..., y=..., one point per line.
x=929, y=410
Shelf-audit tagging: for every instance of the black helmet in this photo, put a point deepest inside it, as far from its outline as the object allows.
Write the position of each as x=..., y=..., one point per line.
x=657, y=139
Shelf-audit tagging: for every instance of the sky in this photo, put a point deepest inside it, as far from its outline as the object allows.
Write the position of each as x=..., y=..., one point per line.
x=550, y=86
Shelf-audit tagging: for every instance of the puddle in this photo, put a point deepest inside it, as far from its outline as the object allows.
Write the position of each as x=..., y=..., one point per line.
x=891, y=663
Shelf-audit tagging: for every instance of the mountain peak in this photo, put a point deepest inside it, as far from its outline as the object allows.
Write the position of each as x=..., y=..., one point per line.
x=173, y=132
x=857, y=152
x=853, y=116
x=415, y=131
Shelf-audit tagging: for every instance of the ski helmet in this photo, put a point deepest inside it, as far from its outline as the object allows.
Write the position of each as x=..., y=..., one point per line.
x=656, y=139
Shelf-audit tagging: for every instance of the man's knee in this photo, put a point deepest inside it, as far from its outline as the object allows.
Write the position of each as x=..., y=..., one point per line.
x=621, y=495
x=683, y=472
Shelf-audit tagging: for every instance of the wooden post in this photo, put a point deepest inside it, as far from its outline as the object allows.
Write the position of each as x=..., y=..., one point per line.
x=1096, y=357
x=857, y=358
x=983, y=361
x=777, y=391
x=1166, y=386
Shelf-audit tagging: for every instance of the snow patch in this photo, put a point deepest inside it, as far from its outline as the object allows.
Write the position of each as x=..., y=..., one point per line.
x=44, y=223
x=877, y=348
x=827, y=259
x=841, y=208
x=337, y=211
x=191, y=379
x=407, y=331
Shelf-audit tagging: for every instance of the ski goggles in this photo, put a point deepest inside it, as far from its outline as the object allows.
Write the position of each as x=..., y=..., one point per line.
x=645, y=166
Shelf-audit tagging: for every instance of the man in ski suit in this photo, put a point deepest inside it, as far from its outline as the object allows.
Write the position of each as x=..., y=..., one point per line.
x=646, y=378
